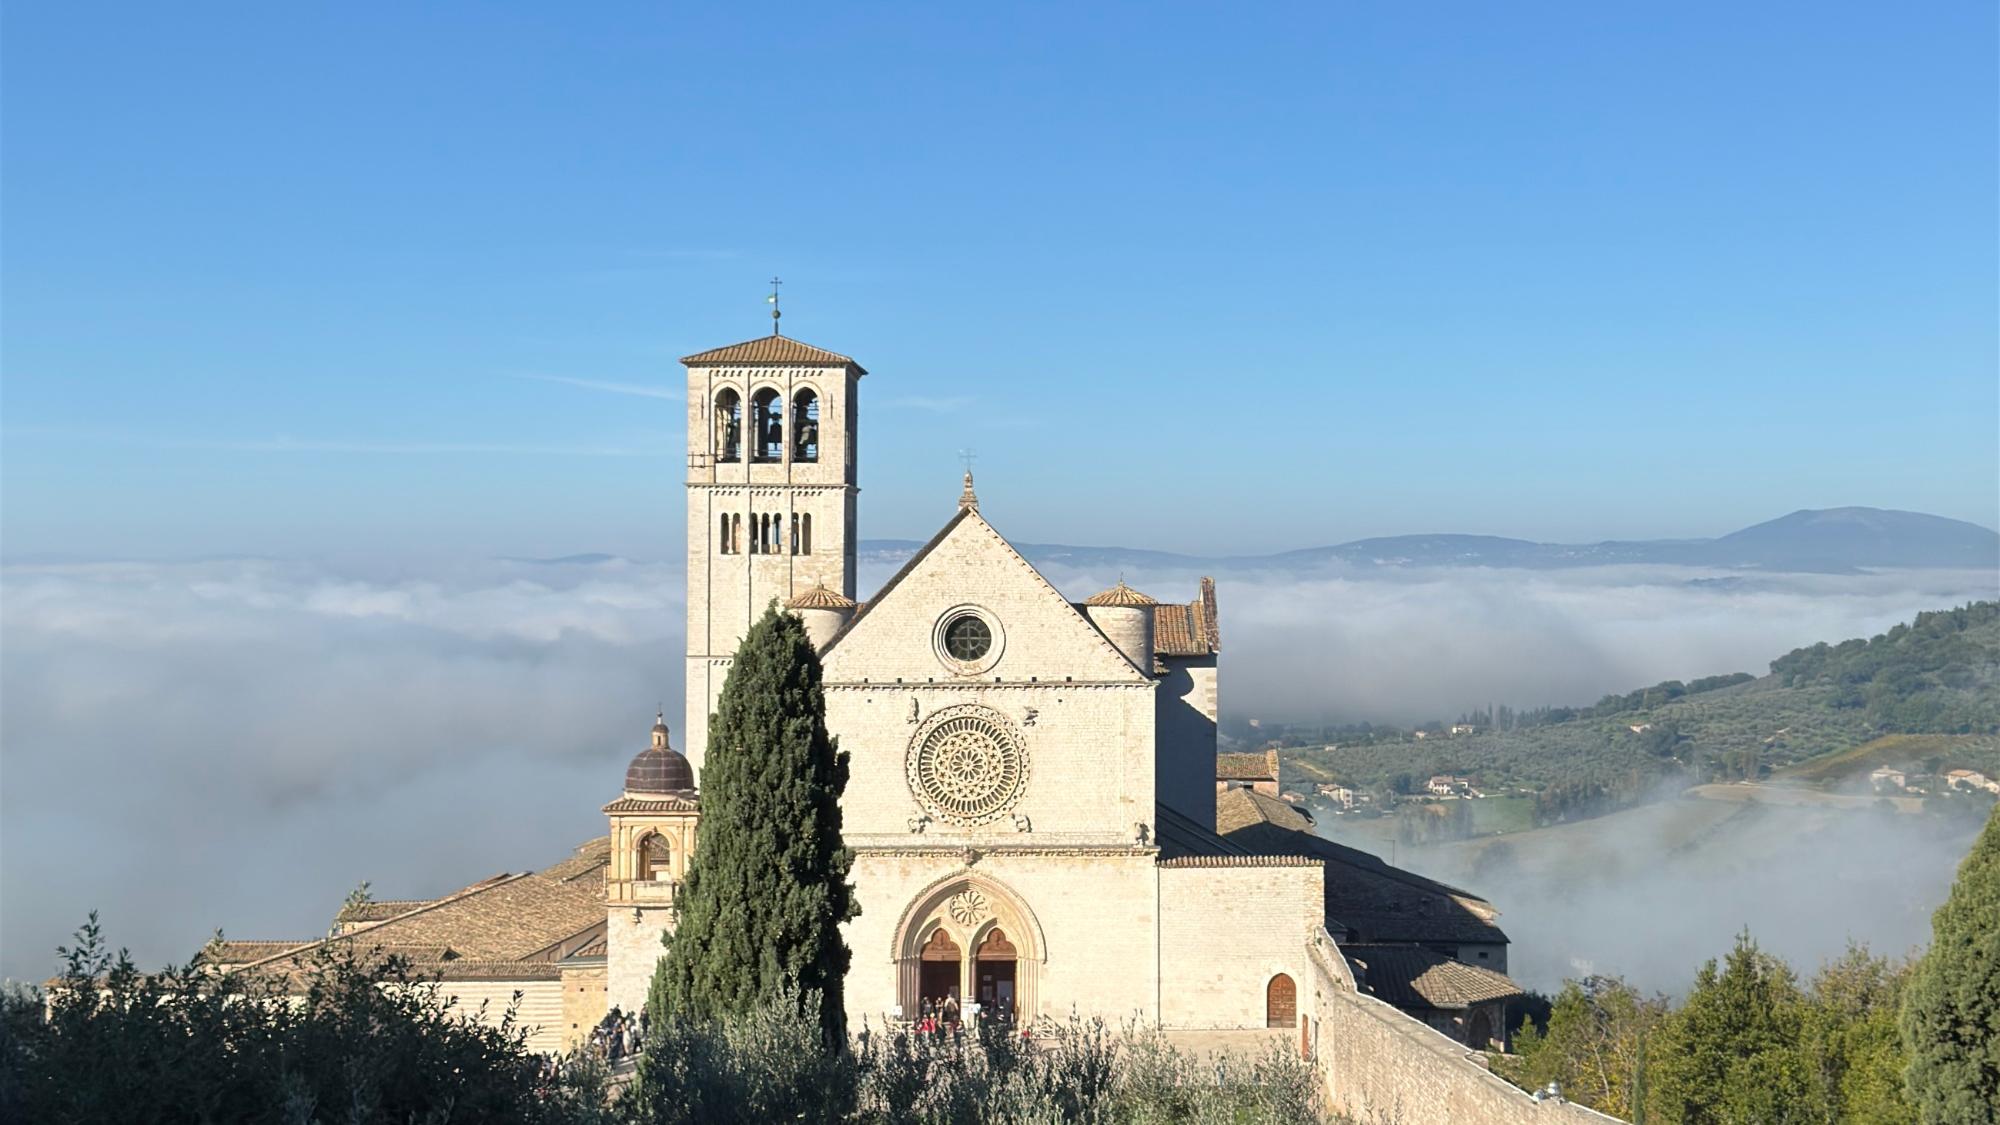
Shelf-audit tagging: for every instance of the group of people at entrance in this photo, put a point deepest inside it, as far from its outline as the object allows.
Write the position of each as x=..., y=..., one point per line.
x=943, y=1015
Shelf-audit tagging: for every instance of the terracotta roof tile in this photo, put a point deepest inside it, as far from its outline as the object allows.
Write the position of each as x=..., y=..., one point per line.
x=1408, y=977
x=770, y=351
x=1121, y=595
x=653, y=805
x=1365, y=897
x=819, y=597
x=1188, y=630
x=1261, y=766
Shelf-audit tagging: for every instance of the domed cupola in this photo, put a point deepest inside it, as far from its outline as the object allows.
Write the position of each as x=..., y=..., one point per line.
x=825, y=612
x=659, y=768
x=1125, y=616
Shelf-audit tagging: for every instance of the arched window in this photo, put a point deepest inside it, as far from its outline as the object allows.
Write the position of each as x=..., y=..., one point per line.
x=722, y=534
x=806, y=534
x=1281, y=1002
x=728, y=426
x=805, y=426
x=736, y=534
x=656, y=858
x=756, y=533
x=767, y=427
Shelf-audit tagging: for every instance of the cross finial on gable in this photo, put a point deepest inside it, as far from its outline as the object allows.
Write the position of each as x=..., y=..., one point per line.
x=967, y=499
x=773, y=299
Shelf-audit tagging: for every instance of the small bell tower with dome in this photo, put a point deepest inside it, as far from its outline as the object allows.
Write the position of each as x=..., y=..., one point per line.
x=652, y=835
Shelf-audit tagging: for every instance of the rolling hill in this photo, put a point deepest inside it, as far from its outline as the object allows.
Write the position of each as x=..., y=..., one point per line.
x=1823, y=541
x=1823, y=714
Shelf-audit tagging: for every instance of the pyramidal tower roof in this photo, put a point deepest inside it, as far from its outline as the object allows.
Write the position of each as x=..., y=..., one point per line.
x=771, y=351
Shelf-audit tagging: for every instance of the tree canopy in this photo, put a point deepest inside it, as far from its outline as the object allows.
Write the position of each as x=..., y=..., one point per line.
x=1951, y=1017
x=766, y=888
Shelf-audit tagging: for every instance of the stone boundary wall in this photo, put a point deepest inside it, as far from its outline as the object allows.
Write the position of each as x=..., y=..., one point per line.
x=1380, y=1067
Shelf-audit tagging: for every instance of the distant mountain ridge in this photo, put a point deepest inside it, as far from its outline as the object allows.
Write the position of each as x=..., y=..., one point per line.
x=1822, y=541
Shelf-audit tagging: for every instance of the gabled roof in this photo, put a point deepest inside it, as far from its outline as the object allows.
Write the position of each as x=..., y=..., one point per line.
x=507, y=918
x=771, y=351
x=1247, y=767
x=1408, y=977
x=1365, y=897
x=1053, y=597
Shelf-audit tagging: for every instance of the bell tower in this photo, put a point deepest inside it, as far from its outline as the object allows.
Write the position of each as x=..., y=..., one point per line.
x=770, y=490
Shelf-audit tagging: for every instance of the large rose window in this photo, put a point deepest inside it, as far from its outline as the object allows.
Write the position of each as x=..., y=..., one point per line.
x=967, y=765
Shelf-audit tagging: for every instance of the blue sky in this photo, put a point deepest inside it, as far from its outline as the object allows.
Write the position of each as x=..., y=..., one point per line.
x=367, y=279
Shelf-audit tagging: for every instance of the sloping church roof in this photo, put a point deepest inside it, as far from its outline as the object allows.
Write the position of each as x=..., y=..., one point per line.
x=771, y=351
x=1364, y=896
x=1054, y=599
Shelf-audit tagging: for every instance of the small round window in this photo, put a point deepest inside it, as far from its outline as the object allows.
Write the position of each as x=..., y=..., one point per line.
x=967, y=638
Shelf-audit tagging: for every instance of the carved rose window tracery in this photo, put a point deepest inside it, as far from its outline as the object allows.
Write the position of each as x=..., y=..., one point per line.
x=967, y=765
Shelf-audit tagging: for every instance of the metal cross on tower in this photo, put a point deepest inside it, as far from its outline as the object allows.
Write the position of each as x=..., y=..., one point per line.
x=773, y=299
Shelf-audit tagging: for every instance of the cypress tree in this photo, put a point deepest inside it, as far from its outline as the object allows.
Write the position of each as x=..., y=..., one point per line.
x=1951, y=1012
x=766, y=888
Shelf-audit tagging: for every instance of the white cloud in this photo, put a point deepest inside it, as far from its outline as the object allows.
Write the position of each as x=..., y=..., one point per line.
x=237, y=742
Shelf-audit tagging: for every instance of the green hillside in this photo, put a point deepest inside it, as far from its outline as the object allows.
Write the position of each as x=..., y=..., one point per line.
x=1938, y=676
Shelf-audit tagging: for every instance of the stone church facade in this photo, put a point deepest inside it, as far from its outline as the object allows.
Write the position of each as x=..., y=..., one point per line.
x=1031, y=801
x=1041, y=823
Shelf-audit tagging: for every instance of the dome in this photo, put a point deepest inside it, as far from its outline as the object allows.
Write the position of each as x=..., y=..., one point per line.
x=1121, y=595
x=819, y=597
x=659, y=768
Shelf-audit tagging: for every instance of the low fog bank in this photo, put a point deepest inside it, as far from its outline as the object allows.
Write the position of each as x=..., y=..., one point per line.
x=1405, y=646
x=1651, y=893
x=239, y=742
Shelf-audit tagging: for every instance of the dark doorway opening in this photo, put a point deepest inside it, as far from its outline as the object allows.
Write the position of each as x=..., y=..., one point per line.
x=993, y=975
x=937, y=975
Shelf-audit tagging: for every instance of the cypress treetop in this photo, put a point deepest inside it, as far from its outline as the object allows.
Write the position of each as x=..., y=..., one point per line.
x=766, y=887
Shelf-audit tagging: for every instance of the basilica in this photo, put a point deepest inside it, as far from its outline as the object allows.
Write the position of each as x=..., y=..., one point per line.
x=1041, y=822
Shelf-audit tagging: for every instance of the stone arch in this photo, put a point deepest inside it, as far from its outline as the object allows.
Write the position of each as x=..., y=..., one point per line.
x=1281, y=1001
x=727, y=423
x=766, y=424
x=967, y=907
x=652, y=852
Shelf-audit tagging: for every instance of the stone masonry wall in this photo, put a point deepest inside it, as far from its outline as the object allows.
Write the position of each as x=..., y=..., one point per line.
x=1226, y=929
x=1378, y=1065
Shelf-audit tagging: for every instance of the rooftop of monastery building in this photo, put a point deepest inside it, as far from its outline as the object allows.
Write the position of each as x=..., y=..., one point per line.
x=1247, y=767
x=1410, y=977
x=1367, y=900
x=508, y=927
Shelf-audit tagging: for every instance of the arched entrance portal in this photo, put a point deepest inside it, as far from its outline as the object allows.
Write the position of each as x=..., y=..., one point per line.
x=993, y=974
x=970, y=939
x=938, y=973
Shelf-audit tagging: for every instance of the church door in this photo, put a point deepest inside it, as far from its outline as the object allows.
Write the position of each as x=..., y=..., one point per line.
x=937, y=978
x=1281, y=1002
x=993, y=974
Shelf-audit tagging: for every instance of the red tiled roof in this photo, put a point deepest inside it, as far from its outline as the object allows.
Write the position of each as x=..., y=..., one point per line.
x=1409, y=977
x=1188, y=630
x=771, y=351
